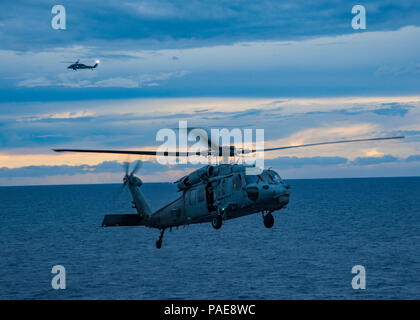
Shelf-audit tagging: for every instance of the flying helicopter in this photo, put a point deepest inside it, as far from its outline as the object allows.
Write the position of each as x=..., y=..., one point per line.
x=213, y=193
x=76, y=65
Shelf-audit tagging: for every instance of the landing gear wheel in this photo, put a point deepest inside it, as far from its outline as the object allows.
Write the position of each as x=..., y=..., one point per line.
x=217, y=221
x=268, y=220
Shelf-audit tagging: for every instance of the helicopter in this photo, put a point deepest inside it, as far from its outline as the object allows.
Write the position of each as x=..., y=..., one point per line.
x=213, y=193
x=76, y=65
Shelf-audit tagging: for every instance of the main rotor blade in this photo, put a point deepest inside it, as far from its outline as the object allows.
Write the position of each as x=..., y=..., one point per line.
x=184, y=154
x=324, y=143
x=145, y=153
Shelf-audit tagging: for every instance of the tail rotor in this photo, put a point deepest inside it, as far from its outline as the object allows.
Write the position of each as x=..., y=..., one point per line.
x=128, y=175
x=137, y=167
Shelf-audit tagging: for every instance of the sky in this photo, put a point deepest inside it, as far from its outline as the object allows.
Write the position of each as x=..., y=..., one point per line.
x=298, y=70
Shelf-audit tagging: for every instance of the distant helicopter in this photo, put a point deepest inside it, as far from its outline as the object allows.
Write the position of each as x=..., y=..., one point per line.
x=211, y=194
x=76, y=65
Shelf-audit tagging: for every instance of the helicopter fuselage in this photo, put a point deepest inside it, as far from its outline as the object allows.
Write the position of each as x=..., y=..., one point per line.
x=76, y=66
x=224, y=192
x=198, y=204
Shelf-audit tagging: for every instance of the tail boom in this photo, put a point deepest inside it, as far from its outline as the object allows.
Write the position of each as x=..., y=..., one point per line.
x=142, y=218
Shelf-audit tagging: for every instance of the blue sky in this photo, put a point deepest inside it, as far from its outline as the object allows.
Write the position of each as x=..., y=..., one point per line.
x=295, y=69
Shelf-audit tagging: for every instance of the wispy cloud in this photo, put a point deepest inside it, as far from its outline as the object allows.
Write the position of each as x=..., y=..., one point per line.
x=35, y=82
x=58, y=116
x=165, y=23
x=137, y=81
x=295, y=162
x=156, y=172
x=385, y=109
x=117, y=82
x=265, y=68
x=31, y=130
x=366, y=161
x=39, y=171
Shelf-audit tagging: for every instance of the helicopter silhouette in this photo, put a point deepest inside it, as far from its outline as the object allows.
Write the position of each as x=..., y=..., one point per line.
x=76, y=65
x=213, y=193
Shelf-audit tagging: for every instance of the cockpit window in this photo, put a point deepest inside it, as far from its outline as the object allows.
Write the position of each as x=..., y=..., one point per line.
x=266, y=177
x=275, y=176
x=270, y=177
x=252, y=179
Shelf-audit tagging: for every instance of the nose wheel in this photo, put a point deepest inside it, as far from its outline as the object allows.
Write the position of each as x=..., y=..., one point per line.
x=268, y=220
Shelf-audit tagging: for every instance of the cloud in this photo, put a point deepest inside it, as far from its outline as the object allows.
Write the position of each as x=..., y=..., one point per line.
x=295, y=162
x=69, y=115
x=367, y=161
x=130, y=82
x=303, y=67
x=153, y=170
x=328, y=132
x=44, y=171
x=413, y=158
x=147, y=79
x=384, y=109
x=120, y=123
x=30, y=130
x=165, y=23
x=393, y=109
x=395, y=71
x=35, y=82
x=117, y=82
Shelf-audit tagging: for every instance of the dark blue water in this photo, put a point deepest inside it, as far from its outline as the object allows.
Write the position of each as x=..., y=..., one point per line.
x=330, y=226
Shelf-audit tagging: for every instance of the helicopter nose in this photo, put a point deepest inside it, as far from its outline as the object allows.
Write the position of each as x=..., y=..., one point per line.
x=283, y=198
x=283, y=194
x=279, y=193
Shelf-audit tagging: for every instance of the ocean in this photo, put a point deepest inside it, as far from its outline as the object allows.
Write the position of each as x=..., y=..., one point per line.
x=329, y=226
